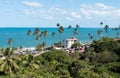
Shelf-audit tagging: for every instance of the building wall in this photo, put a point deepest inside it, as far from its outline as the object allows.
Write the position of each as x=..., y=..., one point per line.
x=69, y=43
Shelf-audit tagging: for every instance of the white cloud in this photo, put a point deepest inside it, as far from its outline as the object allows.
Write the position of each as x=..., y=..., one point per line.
x=48, y=17
x=99, y=10
x=32, y=4
x=86, y=12
x=58, y=10
x=75, y=15
x=102, y=6
x=53, y=13
x=69, y=18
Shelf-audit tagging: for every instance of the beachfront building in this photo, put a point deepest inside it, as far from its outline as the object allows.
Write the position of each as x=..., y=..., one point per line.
x=69, y=42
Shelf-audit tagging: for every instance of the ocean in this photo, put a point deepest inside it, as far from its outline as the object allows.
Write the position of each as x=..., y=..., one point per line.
x=20, y=38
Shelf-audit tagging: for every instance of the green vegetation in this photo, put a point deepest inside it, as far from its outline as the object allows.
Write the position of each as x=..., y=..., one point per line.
x=76, y=45
x=103, y=62
x=105, y=44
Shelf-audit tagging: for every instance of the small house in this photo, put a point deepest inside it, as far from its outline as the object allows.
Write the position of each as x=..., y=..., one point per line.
x=69, y=42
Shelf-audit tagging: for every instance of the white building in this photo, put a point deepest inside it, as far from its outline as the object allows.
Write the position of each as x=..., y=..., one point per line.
x=69, y=42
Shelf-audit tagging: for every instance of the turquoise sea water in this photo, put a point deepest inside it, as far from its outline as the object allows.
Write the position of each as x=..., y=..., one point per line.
x=21, y=39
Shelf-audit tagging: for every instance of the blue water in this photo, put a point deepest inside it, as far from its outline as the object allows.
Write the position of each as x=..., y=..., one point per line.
x=21, y=39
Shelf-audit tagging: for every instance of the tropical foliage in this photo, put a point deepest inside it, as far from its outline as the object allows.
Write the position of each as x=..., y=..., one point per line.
x=93, y=63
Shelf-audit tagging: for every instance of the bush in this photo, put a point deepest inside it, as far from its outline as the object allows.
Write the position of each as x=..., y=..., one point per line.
x=106, y=57
x=76, y=66
x=117, y=51
x=104, y=44
x=57, y=55
x=76, y=45
x=114, y=67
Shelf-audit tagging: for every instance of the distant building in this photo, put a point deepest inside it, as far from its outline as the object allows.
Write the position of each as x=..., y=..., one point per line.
x=69, y=42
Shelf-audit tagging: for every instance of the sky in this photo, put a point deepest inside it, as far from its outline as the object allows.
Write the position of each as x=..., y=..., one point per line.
x=47, y=13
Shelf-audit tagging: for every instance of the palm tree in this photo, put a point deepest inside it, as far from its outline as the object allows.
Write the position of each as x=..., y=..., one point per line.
x=36, y=32
x=58, y=24
x=77, y=26
x=106, y=29
x=75, y=32
x=43, y=45
x=41, y=34
x=29, y=63
x=101, y=23
x=69, y=26
x=9, y=41
x=20, y=47
x=29, y=32
x=32, y=64
x=99, y=33
x=39, y=47
x=44, y=35
x=90, y=36
x=9, y=65
x=37, y=38
x=53, y=34
x=60, y=30
x=117, y=31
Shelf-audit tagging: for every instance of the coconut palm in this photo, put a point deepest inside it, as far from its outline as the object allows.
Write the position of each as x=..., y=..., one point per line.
x=60, y=30
x=75, y=32
x=43, y=44
x=29, y=64
x=41, y=34
x=29, y=32
x=117, y=31
x=45, y=33
x=21, y=47
x=39, y=47
x=69, y=26
x=77, y=26
x=36, y=32
x=99, y=33
x=58, y=24
x=53, y=34
x=90, y=36
x=37, y=38
x=9, y=65
x=106, y=29
x=9, y=41
x=101, y=23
